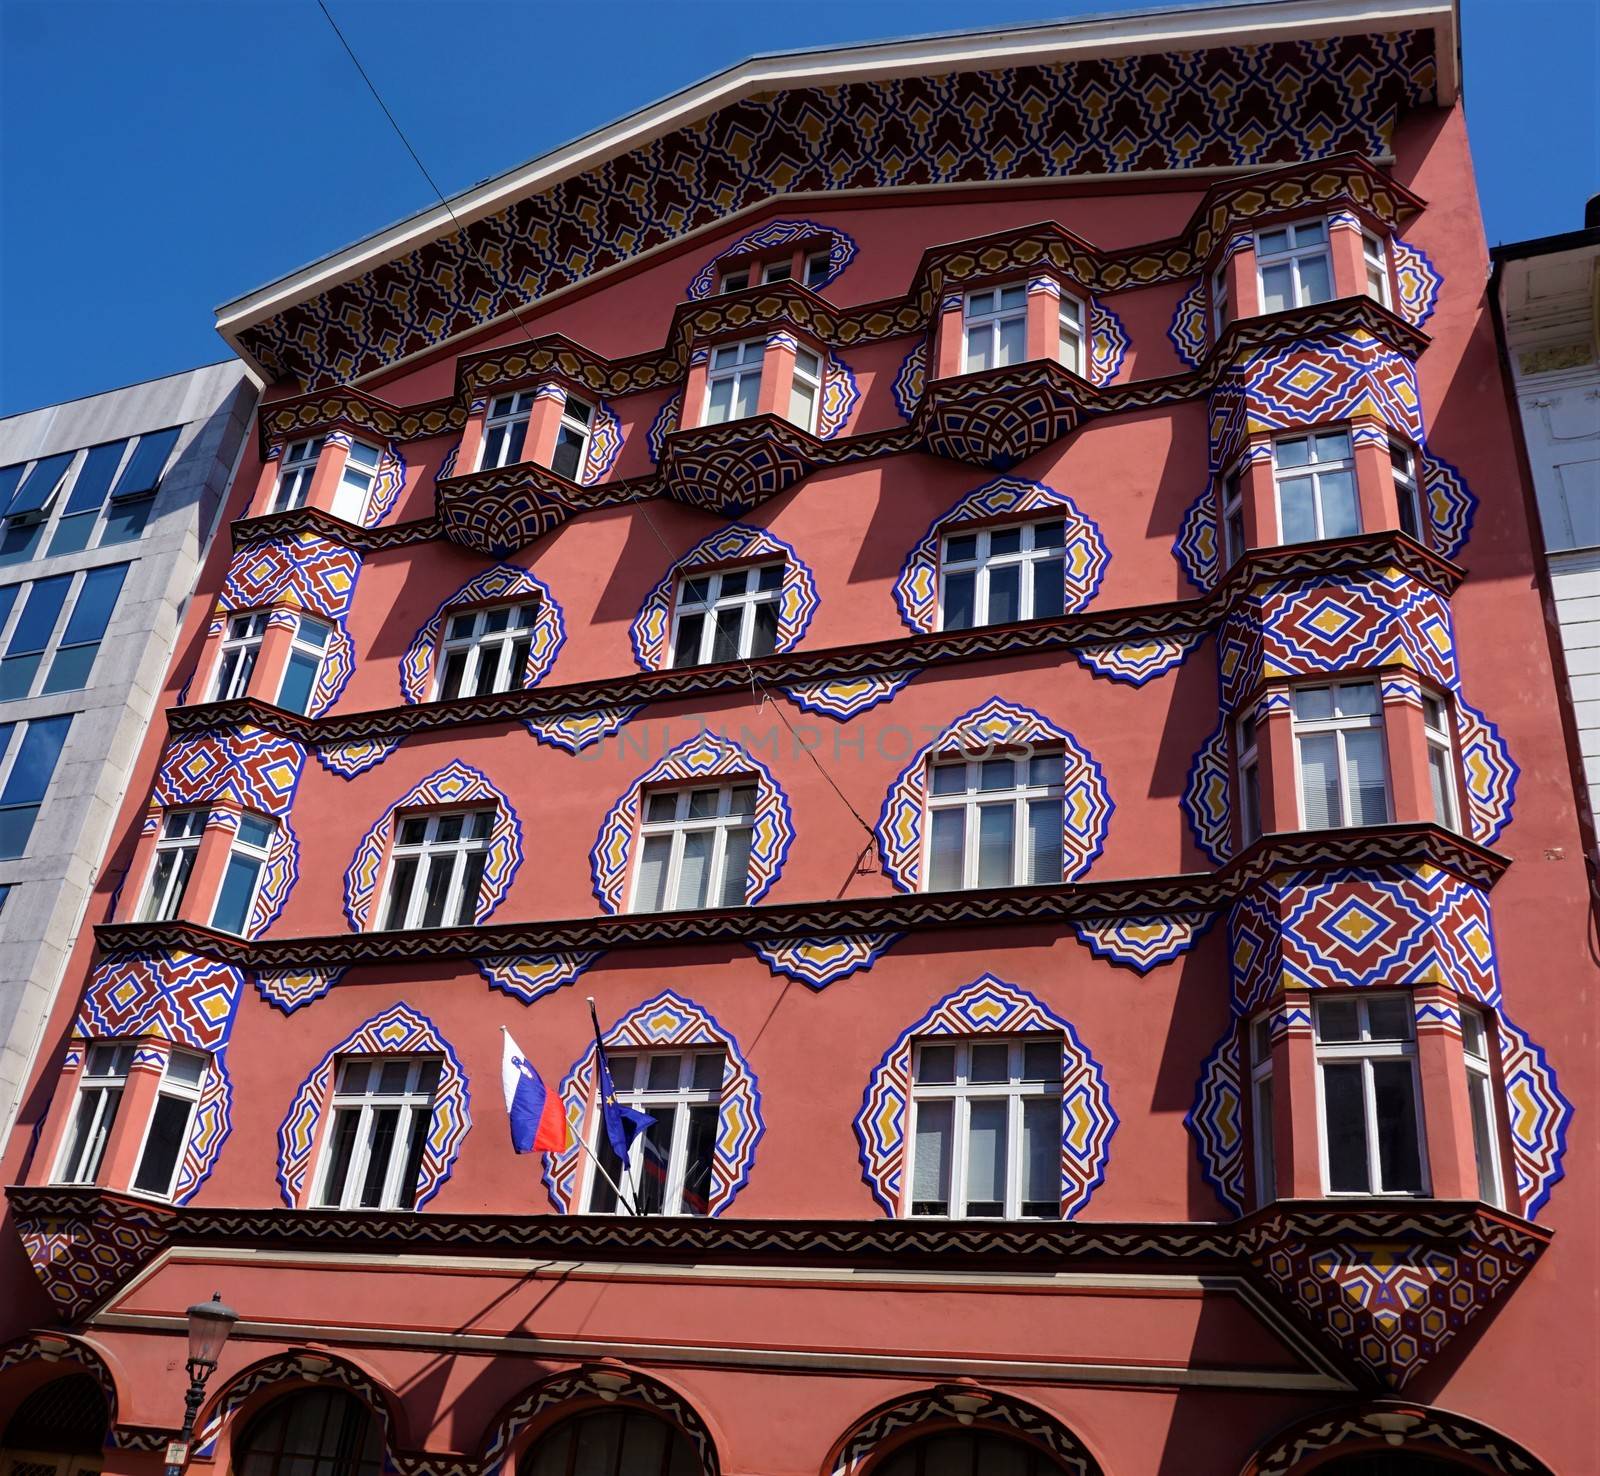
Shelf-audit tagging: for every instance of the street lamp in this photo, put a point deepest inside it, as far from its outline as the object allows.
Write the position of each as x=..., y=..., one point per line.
x=209, y=1326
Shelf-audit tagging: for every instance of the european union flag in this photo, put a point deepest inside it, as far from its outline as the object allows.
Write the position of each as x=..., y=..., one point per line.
x=623, y=1123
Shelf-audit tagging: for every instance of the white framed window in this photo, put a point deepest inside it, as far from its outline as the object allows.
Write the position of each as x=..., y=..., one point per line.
x=1070, y=320
x=995, y=327
x=485, y=650
x=354, y=492
x=994, y=576
x=736, y=279
x=1375, y=257
x=730, y=615
x=1441, y=761
x=994, y=822
x=436, y=869
x=1219, y=301
x=985, y=1138
x=777, y=271
x=505, y=430
x=733, y=382
x=695, y=848
x=1292, y=265
x=105, y=1074
x=176, y=848
x=1261, y=1133
x=1339, y=756
x=382, y=1110
x=669, y=1169
x=1233, y=517
x=298, y=466
x=572, y=439
x=307, y=650
x=1370, y=1104
x=1316, y=481
x=236, y=660
x=816, y=270
x=167, y=1133
x=806, y=389
x=241, y=879
x=1249, y=780
x=1407, y=495
x=1475, y=1040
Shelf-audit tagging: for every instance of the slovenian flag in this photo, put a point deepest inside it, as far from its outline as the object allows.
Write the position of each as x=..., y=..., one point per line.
x=537, y=1118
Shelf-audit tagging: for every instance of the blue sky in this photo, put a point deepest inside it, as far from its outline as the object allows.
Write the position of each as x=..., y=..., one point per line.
x=158, y=157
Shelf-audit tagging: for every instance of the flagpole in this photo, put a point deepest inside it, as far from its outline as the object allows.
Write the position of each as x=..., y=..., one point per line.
x=600, y=1052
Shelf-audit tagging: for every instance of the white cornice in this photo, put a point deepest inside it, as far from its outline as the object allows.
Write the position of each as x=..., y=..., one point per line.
x=1186, y=28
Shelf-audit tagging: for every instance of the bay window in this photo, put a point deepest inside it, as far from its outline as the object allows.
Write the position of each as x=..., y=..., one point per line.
x=805, y=389
x=1441, y=761
x=295, y=473
x=733, y=382
x=241, y=880
x=994, y=822
x=356, y=480
x=437, y=868
x=1475, y=1039
x=669, y=1168
x=1372, y=1141
x=986, y=1128
x=1070, y=320
x=1375, y=261
x=1249, y=780
x=1292, y=265
x=995, y=328
x=1219, y=300
x=167, y=1134
x=505, y=430
x=695, y=848
x=1316, y=484
x=105, y=1075
x=1266, y=1178
x=1407, y=495
x=729, y=615
x=1339, y=756
x=306, y=652
x=382, y=1111
x=572, y=440
x=176, y=848
x=485, y=651
x=1233, y=518
x=994, y=576
x=241, y=645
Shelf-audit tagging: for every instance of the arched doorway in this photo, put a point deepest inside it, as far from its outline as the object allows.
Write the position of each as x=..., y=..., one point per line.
x=967, y=1453
x=58, y=1430
x=611, y=1442
x=312, y=1432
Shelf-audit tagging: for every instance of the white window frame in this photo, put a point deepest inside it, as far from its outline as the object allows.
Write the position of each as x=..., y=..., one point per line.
x=1248, y=737
x=780, y=270
x=1262, y=1138
x=735, y=278
x=684, y=1096
x=991, y=321
x=295, y=471
x=430, y=847
x=1292, y=256
x=747, y=363
x=1364, y=1052
x=973, y=798
x=716, y=602
x=816, y=268
x=1339, y=726
x=1072, y=328
x=1407, y=490
x=1315, y=468
x=1440, y=739
x=803, y=410
x=242, y=634
x=415, y=1106
x=300, y=646
x=80, y=1162
x=1375, y=260
x=1233, y=539
x=1219, y=301
x=352, y=498
x=962, y=1093
x=482, y=645
x=681, y=825
x=578, y=428
x=259, y=852
x=173, y=838
x=517, y=410
x=183, y=1091
x=1476, y=1044
x=984, y=561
